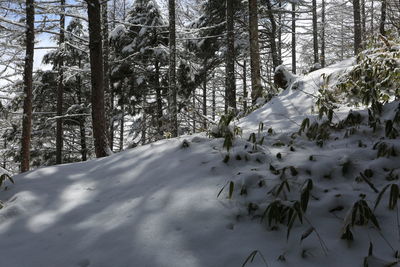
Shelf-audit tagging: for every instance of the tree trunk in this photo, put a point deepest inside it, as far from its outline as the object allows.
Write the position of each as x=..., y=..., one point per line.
x=173, y=112
x=122, y=124
x=363, y=20
x=256, y=90
x=60, y=88
x=205, y=98
x=106, y=69
x=82, y=130
x=158, y=98
x=28, y=86
x=315, y=30
x=214, y=106
x=294, y=38
x=245, y=85
x=97, y=78
x=230, y=89
x=272, y=36
x=323, y=35
x=357, y=26
x=383, y=18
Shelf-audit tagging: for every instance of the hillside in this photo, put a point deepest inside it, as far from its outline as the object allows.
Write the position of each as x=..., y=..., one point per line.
x=189, y=202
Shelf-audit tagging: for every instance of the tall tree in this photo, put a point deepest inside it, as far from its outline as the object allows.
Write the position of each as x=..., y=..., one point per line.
x=60, y=87
x=106, y=57
x=383, y=18
x=172, y=69
x=357, y=26
x=230, y=90
x=254, y=51
x=28, y=84
x=323, y=8
x=294, y=38
x=315, y=30
x=97, y=81
x=272, y=36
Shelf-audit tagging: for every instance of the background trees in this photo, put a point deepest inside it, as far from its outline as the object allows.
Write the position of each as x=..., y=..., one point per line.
x=144, y=79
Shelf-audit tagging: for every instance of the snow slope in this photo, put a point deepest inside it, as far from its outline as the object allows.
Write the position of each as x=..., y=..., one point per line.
x=157, y=205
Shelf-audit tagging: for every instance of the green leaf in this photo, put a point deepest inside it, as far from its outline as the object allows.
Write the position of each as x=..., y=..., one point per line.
x=307, y=233
x=378, y=199
x=231, y=187
x=394, y=196
x=250, y=257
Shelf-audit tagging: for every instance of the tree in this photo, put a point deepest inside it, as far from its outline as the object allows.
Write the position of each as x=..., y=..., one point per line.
x=315, y=30
x=97, y=81
x=28, y=85
x=230, y=91
x=383, y=18
x=173, y=112
x=254, y=51
x=60, y=87
x=357, y=26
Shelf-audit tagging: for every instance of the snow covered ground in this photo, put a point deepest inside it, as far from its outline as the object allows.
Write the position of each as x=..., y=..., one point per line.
x=161, y=205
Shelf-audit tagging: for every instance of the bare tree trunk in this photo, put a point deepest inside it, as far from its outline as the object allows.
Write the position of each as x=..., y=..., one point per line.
x=82, y=130
x=106, y=69
x=122, y=124
x=60, y=88
x=315, y=30
x=363, y=20
x=173, y=112
x=372, y=16
x=357, y=26
x=97, y=78
x=214, y=106
x=194, y=111
x=256, y=90
x=28, y=86
x=158, y=98
x=205, y=97
x=294, y=38
x=245, y=85
x=272, y=36
x=383, y=18
x=230, y=90
x=323, y=35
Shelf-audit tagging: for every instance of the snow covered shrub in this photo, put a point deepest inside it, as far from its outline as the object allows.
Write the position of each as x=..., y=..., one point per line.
x=375, y=80
x=359, y=214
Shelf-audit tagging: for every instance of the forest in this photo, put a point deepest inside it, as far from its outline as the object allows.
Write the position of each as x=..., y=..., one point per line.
x=199, y=133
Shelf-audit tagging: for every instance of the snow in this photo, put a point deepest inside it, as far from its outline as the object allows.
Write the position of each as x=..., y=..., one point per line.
x=157, y=205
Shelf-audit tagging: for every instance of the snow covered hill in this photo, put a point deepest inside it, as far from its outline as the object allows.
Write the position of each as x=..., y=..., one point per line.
x=188, y=202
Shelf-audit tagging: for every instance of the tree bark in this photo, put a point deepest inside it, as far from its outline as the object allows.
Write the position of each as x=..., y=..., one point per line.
x=28, y=86
x=82, y=130
x=357, y=26
x=205, y=97
x=97, y=78
x=106, y=69
x=272, y=36
x=230, y=89
x=323, y=35
x=245, y=85
x=173, y=112
x=294, y=38
x=383, y=18
x=158, y=98
x=256, y=90
x=60, y=87
x=315, y=30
